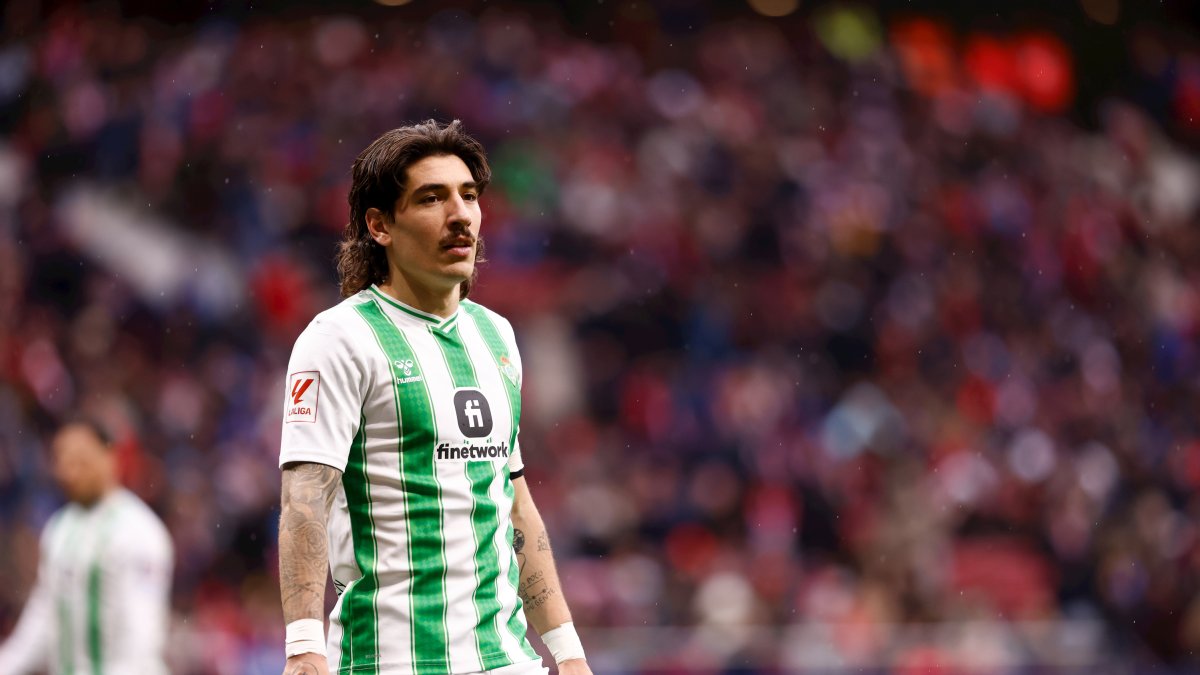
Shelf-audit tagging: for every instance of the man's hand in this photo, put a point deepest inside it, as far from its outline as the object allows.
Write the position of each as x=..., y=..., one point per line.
x=308, y=664
x=574, y=667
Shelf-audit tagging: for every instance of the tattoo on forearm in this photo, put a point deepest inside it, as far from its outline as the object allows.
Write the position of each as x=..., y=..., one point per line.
x=518, y=545
x=533, y=601
x=308, y=491
x=534, y=591
x=534, y=578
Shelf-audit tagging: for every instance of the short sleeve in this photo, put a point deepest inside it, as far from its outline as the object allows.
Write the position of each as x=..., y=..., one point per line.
x=516, y=463
x=139, y=568
x=322, y=402
x=28, y=646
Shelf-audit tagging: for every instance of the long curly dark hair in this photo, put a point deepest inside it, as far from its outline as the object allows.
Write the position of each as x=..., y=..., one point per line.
x=378, y=180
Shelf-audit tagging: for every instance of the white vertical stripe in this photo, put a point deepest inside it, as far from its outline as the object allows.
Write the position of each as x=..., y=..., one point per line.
x=394, y=639
x=85, y=553
x=62, y=571
x=333, y=642
x=342, y=567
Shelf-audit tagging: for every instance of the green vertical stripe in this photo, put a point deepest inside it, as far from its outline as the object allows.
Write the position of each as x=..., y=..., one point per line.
x=93, y=616
x=360, y=612
x=423, y=498
x=491, y=337
x=94, y=589
x=462, y=372
x=485, y=516
x=66, y=651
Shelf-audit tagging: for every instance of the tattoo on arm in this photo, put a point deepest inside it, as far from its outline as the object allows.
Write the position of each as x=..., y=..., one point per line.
x=307, y=494
x=534, y=591
x=518, y=548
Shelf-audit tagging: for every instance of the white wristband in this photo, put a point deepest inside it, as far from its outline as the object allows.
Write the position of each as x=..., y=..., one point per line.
x=305, y=636
x=563, y=643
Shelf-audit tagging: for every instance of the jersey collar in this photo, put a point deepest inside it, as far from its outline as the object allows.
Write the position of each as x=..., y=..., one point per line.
x=432, y=320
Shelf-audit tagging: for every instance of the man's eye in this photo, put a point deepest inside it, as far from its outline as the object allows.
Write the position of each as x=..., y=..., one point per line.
x=470, y=196
x=429, y=199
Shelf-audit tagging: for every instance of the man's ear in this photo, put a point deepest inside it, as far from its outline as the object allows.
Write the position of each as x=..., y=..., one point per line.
x=379, y=226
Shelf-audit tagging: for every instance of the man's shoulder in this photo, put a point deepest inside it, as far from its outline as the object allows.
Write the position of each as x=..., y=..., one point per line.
x=488, y=319
x=141, y=525
x=479, y=311
x=336, y=316
x=339, y=320
x=131, y=506
x=61, y=516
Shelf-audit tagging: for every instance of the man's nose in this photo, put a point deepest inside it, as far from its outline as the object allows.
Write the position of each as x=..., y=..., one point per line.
x=457, y=210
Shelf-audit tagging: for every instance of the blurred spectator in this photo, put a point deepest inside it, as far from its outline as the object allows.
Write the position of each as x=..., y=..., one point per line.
x=836, y=327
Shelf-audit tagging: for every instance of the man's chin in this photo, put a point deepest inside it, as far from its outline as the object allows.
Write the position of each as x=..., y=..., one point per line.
x=450, y=277
x=85, y=499
x=459, y=272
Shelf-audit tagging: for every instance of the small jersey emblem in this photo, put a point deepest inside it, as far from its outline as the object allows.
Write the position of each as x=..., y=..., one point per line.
x=510, y=371
x=304, y=389
x=406, y=371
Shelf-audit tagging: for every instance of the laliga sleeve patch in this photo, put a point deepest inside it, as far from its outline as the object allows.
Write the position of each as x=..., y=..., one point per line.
x=304, y=388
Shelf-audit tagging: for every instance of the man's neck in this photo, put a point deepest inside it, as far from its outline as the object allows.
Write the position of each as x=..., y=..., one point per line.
x=104, y=493
x=440, y=303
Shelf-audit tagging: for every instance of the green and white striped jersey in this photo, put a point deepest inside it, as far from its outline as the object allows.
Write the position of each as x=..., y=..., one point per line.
x=421, y=415
x=101, y=601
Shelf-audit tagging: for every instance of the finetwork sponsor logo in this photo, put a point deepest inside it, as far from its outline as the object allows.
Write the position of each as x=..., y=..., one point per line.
x=467, y=453
x=473, y=412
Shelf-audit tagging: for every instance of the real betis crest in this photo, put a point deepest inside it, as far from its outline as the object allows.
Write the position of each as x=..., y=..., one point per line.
x=509, y=370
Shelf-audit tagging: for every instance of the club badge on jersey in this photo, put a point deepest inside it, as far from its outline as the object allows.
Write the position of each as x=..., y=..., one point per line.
x=510, y=371
x=304, y=390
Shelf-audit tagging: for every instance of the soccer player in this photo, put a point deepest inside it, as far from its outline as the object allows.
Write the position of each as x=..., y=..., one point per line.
x=101, y=600
x=402, y=472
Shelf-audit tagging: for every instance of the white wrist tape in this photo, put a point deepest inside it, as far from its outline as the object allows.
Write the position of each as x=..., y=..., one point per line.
x=563, y=642
x=305, y=636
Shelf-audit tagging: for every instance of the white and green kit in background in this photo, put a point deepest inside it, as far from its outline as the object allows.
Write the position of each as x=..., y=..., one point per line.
x=100, y=605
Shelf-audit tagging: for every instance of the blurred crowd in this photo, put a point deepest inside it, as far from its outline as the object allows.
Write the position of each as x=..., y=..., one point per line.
x=806, y=344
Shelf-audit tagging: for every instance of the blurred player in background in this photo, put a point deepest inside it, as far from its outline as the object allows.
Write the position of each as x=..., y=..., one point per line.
x=101, y=600
x=402, y=473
